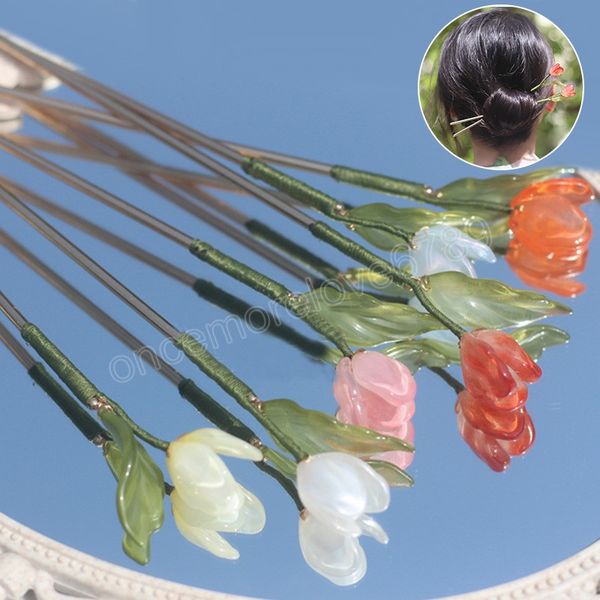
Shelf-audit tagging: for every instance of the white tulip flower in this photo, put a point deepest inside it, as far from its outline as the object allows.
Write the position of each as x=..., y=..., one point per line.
x=338, y=490
x=207, y=499
x=444, y=248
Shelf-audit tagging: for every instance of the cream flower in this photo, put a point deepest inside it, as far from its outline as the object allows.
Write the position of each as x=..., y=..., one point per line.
x=207, y=499
x=338, y=490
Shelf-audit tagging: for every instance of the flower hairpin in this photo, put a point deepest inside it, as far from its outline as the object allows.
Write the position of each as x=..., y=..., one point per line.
x=567, y=90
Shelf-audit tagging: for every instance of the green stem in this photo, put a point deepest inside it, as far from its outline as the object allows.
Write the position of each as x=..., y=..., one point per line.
x=88, y=426
x=236, y=388
x=271, y=289
x=314, y=198
x=83, y=389
x=406, y=189
x=350, y=248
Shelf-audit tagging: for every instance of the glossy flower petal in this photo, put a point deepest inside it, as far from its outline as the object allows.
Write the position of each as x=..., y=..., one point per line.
x=338, y=557
x=374, y=391
x=443, y=248
x=495, y=369
x=551, y=234
x=342, y=487
x=338, y=490
x=556, y=69
x=496, y=451
x=208, y=539
x=207, y=498
x=568, y=91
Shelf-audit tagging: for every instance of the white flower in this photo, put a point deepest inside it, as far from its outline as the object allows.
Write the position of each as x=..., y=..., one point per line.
x=338, y=490
x=444, y=248
x=207, y=499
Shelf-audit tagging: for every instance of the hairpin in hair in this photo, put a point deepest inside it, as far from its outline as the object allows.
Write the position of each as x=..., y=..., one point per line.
x=477, y=122
x=555, y=70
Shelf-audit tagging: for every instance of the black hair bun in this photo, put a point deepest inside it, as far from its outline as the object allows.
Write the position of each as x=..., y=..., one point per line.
x=507, y=112
x=488, y=66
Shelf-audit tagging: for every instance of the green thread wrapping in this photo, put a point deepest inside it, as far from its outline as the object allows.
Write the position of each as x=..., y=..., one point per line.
x=83, y=389
x=407, y=189
x=382, y=183
x=73, y=378
x=90, y=428
x=216, y=370
x=214, y=412
x=268, y=287
x=234, y=386
x=316, y=199
x=281, y=242
x=292, y=187
x=323, y=232
x=249, y=314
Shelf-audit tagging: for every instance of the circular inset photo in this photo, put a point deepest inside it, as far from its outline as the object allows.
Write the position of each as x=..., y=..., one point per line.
x=501, y=87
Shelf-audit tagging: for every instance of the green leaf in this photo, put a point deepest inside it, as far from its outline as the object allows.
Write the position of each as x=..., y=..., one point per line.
x=425, y=352
x=534, y=339
x=369, y=281
x=487, y=303
x=315, y=432
x=394, y=475
x=367, y=321
x=140, y=487
x=413, y=219
x=498, y=190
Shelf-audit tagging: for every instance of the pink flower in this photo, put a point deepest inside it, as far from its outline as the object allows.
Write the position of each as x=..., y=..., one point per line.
x=374, y=391
x=556, y=70
x=550, y=106
x=568, y=91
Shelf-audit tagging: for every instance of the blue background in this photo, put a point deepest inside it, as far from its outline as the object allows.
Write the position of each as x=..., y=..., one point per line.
x=331, y=80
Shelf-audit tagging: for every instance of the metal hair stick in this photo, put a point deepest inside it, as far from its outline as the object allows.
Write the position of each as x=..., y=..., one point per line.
x=92, y=309
x=86, y=262
x=89, y=88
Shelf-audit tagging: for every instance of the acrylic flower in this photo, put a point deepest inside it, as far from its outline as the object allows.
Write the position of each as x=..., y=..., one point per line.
x=494, y=435
x=551, y=234
x=338, y=491
x=496, y=369
x=556, y=69
x=207, y=499
x=444, y=248
x=568, y=91
x=377, y=392
x=374, y=391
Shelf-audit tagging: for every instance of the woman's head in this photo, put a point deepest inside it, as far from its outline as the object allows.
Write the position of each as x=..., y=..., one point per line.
x=488, y=66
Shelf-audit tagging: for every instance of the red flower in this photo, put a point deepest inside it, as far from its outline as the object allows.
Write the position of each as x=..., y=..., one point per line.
x=491, y=412
x=498, y=435
x=556, y=70
x=495, y=369
x=551, y=234
x=568, y=91
x=549, y=106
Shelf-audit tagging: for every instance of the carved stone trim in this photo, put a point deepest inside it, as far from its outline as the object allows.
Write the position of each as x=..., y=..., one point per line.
x=31, y=562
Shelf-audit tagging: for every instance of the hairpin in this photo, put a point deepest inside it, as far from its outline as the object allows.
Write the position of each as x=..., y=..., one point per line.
x=477, y=122
x=567, y=89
